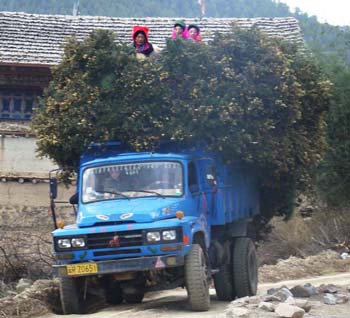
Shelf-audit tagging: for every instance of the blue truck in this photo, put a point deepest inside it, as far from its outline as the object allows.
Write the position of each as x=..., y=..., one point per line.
x=148, y=221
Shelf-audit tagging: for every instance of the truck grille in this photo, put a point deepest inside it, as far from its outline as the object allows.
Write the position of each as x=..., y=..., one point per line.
x=116, y=252
x=125, y=239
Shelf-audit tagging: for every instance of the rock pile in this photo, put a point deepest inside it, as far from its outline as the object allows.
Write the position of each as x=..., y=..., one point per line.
x=283, y=302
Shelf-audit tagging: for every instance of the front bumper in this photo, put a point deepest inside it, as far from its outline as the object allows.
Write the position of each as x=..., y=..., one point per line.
x=124, y=265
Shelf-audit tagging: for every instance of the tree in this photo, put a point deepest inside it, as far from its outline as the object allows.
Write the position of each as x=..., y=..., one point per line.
x=254, y=100
x=334, y=171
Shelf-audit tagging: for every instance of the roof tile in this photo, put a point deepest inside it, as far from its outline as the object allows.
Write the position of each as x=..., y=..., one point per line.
x=39, y=39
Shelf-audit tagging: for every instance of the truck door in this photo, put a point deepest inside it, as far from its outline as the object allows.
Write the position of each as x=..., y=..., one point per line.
x=208, y=187
x=199, y=200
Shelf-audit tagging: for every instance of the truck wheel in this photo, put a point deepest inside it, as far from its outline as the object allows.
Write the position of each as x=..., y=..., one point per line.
x=134, y=298
x=72, y=295
x=245, y=269
x=114, y=293
x=196, y=276
x=224, y=285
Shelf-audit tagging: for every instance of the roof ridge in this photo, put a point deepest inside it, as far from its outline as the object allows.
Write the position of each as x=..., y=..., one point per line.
x=31, y=38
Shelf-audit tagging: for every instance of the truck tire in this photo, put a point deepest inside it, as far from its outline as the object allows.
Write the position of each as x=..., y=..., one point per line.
x=114, y=294
x=196, y=276
x=72, y=295
x=134, y=298
x=224, y=284
x=245, y=269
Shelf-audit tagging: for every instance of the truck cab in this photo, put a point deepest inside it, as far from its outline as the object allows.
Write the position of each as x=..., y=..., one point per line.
x=151, y=221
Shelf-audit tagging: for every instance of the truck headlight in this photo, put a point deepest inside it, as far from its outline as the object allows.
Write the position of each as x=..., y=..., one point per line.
x=169, y=235
x=78, y=242
x=64, y=243
x=153, y=236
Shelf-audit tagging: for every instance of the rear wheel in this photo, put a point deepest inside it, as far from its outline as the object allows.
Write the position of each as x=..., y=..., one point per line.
x=223, y=282
x=196, y=276
x=72, y=295
x=245, y=269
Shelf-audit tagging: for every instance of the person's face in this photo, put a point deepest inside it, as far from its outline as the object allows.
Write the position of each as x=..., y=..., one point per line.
x=115, y=174
x=193, y=32
x=140, y=39
x=178, y=30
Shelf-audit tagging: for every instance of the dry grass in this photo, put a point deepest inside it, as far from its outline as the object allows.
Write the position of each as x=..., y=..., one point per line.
x=24, y=255
x=324, y=263
x=326, y=229
x=42, y=297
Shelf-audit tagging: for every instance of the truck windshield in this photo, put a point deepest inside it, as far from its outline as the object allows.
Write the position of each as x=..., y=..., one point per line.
x=132, y=180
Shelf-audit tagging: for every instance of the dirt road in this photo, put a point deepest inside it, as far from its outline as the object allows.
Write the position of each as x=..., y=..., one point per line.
x=173, y=303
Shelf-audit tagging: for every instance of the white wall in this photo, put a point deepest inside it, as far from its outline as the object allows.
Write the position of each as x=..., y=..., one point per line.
x=18, y=158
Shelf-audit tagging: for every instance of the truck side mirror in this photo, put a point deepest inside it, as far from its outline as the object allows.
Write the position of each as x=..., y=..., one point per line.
x=53, y=188
x=74, y=198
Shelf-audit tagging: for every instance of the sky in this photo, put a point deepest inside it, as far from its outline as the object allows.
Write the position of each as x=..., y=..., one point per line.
x=335, y=12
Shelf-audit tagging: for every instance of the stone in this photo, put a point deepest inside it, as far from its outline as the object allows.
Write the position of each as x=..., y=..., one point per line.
x=271, y=291
x=237, y=312
x=299, y=302
x=330, y=289
x=267, y=306
x=311, y=289
x=251, y=306
x=329, y=299
x=300, y=291
x=289, y=311
x=290, y=300
x=239, y=302
x=268, y=298
x=304, y=304
x=254, y=300
x=341, y=298
x=282, y=294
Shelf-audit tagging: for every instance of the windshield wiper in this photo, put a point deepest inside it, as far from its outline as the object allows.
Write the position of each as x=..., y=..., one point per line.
x=113, y=192
x=146, y=191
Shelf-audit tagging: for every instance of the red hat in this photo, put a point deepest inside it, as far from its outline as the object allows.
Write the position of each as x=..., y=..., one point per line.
x=136, y=29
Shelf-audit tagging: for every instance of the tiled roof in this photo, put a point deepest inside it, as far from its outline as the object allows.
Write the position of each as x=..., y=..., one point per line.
x=37, y=39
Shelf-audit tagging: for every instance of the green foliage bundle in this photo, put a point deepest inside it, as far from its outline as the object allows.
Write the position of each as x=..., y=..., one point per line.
x=252, y=99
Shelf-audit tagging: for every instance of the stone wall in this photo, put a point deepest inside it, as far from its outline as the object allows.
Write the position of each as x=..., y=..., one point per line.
x=26, y=206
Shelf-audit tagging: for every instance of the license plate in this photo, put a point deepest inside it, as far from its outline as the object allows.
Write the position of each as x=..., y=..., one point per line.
x=82, y=269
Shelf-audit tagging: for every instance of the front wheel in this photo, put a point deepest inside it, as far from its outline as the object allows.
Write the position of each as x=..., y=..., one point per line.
x=196, y=276
x=245, y=269
x=72, y=295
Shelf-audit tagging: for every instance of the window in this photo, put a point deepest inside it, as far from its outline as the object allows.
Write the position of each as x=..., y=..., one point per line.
x=132, y=180
x=17, y=103
x=6, y=104
x=192, y=177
